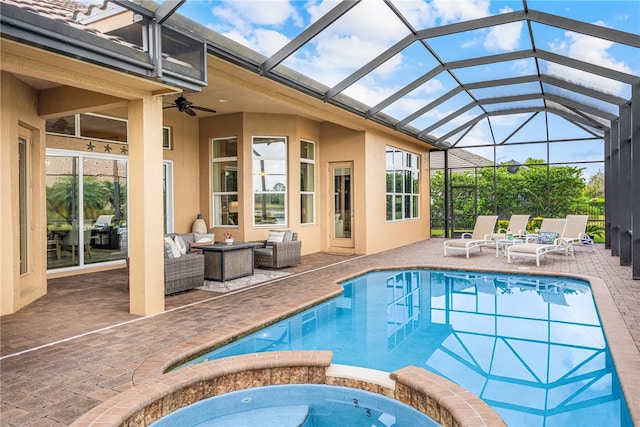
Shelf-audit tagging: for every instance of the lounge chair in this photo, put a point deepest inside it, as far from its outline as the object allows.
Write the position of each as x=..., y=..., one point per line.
x=481, y=236
x=575, y=232
x=548, y=240
x=517, y=226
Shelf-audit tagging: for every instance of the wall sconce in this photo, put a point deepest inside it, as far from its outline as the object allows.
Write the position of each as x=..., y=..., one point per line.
x=233, y=206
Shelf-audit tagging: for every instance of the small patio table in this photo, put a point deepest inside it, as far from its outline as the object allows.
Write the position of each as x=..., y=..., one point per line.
x=505, y=243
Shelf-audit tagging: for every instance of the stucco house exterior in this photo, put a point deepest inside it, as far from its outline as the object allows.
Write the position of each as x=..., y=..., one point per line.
x=88, y=100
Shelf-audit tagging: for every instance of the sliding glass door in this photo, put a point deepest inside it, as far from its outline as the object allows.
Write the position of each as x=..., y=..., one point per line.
x=86, y=209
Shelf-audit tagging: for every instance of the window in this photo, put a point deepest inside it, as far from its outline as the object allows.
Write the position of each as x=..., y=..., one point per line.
x=307, y=182
x=403, y=189
x=225, y=181
x=269, y=175
x=167, y=193
x=92, y=126
x=166, y=138
x=23, y=196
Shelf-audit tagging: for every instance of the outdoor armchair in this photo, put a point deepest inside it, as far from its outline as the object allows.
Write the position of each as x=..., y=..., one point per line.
x=279, y=254
x=481, y=236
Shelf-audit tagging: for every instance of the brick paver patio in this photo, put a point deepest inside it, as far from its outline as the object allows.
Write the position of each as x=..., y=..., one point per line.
x=78, y=345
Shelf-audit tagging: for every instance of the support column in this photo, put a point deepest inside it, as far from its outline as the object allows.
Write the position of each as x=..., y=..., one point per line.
x=635, y=179
x=616, y=196
x=146, y=214
x=626, y=185
x=608, y=188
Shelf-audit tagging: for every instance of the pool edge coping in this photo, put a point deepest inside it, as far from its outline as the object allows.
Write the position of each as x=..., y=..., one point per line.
x=444, y=401
x=624, y=352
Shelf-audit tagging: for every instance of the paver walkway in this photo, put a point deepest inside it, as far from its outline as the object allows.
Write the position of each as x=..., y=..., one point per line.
x=78, y=345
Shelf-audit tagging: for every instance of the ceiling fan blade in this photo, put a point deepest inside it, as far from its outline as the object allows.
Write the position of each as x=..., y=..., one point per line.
x=171, y=106
x=208, y=110
x=189, y=111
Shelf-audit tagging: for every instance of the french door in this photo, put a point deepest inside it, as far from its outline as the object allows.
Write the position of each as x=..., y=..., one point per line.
x=341, y=222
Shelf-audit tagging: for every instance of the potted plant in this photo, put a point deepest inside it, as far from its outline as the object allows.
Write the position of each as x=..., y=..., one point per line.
x=228, y=238
x=595, y=230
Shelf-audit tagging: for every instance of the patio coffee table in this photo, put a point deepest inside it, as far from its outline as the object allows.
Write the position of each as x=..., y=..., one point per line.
x=224, y=262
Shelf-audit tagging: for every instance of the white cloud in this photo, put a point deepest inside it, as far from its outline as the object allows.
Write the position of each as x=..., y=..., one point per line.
x=503, y=37
x=593, y=51
x=264, y=12
x=255, y=23
x=447, y=11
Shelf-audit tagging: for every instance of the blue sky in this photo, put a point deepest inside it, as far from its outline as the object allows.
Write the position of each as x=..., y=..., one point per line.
x=369, y=28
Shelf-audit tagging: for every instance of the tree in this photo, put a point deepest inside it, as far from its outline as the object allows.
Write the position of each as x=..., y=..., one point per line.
x=595, y=186
x=533, y=187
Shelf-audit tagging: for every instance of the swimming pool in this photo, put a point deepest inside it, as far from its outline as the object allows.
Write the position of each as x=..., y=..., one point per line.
x=304, y=405
x=530, y=346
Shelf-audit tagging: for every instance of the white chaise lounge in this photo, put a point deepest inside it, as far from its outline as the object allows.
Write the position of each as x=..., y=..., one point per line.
x=481, y=236
x=548, y=240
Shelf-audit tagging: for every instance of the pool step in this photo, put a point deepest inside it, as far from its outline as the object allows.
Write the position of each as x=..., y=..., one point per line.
x=273, y=416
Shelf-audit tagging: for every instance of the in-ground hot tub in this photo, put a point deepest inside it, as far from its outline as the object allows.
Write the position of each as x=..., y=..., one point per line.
x=299, y=405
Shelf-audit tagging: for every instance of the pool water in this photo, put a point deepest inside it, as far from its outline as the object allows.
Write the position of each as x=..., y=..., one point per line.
x=532, y=347
x=299, y=405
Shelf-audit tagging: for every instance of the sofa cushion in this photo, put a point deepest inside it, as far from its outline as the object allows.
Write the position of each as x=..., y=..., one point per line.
x=264, y=251
x=288, y=236
x=275, y=236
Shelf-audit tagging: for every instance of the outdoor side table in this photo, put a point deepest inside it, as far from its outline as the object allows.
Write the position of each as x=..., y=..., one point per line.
x=504, y=244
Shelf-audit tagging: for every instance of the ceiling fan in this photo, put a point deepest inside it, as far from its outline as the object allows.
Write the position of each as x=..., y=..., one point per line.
x=185, y=106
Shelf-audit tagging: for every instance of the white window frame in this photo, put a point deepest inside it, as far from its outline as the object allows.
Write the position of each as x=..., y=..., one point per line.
x=286, y=183
x=312, y=161
x=217, y=210
x=402, y=167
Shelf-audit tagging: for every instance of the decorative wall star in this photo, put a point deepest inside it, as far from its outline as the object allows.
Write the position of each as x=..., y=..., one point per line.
x=90, y=146
x=107, y=148
x=123, y=150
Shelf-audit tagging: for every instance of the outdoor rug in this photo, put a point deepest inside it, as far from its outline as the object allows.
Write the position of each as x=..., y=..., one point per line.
x=259, y=276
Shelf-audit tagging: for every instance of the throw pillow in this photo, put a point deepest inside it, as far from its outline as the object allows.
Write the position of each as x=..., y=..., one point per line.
x=168, y=253
x=174, y=248
x=203, y=237
x=288, y=236
x=547, y=237
x=182, y=245
x=275, y=237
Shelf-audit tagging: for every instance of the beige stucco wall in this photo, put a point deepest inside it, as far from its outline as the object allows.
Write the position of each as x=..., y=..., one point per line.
x=382, y=234
x=19, y=106
x=340, y=144
x=186, y=157
x=244, y=126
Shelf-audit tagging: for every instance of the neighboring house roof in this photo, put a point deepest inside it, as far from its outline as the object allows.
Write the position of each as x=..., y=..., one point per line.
x=459, y=159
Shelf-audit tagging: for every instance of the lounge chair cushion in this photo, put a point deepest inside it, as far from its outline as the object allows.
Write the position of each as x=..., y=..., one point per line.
x=459, y=243
x=547, y=237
